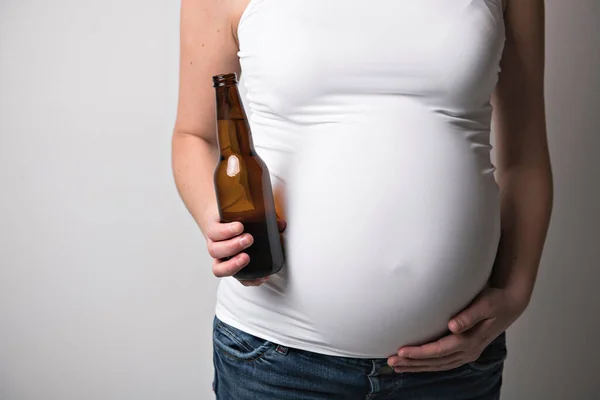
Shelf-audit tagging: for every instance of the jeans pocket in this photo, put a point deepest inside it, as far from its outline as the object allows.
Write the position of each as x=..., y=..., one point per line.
x=237, y=344
x=492, y=357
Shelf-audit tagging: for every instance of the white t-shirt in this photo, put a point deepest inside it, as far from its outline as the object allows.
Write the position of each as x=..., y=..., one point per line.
x=375, y=117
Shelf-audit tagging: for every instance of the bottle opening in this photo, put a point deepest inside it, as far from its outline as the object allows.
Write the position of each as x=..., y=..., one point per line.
x=225, y=79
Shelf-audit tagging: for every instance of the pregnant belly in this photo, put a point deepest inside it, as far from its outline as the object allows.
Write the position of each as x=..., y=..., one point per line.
x=391, y=231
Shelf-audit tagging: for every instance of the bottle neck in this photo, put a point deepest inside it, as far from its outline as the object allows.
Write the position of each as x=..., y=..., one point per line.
x=233, y=130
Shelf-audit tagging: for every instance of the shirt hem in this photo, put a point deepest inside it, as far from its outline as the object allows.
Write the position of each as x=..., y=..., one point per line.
x=230, y=319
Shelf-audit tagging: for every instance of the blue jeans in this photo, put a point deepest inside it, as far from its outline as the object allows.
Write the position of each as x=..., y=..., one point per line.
x=250, y=368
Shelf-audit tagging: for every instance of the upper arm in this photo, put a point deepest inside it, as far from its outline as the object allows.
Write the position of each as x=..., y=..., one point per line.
x=519, y=110
x=207, y=48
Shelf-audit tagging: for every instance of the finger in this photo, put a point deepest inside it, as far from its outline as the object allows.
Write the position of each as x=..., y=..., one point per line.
x=440, y=348
x=230, y=267
x=479, y=310
x=397, y=361
x=231, y=247
x=281, y=224
x=218, y=232
x=253, y=282
x=433, y=368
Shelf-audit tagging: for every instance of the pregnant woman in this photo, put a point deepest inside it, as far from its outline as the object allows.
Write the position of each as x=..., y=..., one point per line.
x=409, y=252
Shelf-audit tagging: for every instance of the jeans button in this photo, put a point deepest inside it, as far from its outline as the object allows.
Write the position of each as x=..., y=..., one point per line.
x=386, y=369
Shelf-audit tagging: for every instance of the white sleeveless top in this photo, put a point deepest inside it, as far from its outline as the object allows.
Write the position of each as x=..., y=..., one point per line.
x=375, y=116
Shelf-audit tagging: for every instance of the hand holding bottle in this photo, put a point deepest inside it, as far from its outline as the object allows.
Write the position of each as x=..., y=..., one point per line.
x=226, y=243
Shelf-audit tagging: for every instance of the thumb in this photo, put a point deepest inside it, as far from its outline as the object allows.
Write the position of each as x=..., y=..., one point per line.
x=479, y=310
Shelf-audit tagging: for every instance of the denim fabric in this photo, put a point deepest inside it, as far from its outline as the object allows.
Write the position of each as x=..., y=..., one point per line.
x=250, y=368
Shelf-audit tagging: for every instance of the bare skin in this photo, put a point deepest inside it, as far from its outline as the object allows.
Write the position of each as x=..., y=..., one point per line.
x=209, y=47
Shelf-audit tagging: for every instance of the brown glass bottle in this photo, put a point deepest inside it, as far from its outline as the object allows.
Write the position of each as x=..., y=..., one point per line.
x=243, y=184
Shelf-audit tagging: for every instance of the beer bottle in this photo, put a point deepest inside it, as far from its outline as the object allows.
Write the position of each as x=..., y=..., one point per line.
x=243, y=184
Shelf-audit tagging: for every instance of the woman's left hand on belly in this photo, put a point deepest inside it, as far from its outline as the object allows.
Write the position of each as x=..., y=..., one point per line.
x=472, y=330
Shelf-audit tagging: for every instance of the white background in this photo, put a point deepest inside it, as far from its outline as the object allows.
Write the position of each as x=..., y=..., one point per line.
x=105, y=285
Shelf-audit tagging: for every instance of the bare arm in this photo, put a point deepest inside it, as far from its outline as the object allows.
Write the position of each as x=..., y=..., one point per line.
x=207, y=48
x=524, y=171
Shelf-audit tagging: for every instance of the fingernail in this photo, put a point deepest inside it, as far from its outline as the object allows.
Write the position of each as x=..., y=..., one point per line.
x=246, y=241
x=237, y=228
x=241, y=261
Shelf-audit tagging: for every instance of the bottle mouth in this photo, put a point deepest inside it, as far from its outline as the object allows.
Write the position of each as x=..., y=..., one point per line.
x=225, y=79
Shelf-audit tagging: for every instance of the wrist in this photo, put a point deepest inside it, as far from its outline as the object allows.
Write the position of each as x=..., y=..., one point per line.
x=516, y=280
x=206, y=216
x=518, y=296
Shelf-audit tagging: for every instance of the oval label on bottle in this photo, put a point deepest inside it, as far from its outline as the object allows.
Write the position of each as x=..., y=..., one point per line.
x=233, y=166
